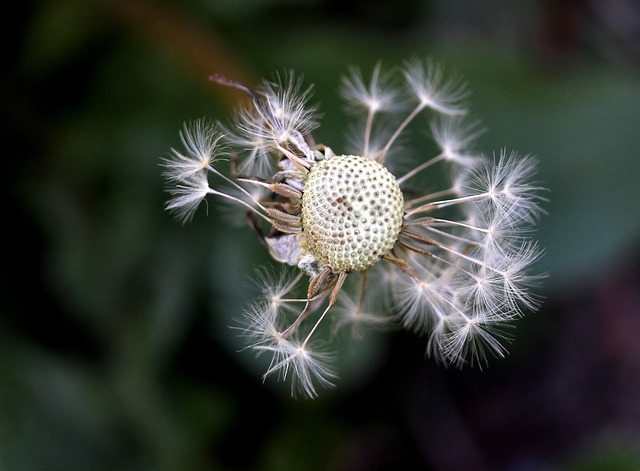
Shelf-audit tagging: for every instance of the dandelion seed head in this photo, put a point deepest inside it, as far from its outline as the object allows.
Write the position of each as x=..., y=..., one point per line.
x=365, y=246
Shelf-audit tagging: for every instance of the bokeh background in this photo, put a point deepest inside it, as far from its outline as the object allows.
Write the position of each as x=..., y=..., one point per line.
x=115, y=350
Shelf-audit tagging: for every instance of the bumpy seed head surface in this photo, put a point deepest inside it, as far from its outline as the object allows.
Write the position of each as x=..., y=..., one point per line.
x=352, y=210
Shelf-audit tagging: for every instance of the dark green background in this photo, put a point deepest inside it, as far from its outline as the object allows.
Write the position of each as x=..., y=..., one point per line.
x=115, y=350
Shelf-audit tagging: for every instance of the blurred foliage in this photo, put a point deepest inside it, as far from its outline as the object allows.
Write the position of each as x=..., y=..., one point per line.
x=115, y=350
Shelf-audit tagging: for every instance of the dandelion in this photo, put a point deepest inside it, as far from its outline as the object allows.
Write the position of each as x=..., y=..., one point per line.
x=365, y=246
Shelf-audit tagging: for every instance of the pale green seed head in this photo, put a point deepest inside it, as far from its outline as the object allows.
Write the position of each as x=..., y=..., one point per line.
x=352, y=212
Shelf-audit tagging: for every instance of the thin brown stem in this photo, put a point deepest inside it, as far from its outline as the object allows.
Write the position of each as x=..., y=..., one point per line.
x=431, y=196
x=363, y=285
x=414, y=248
x=402, y=265
x=342, y=276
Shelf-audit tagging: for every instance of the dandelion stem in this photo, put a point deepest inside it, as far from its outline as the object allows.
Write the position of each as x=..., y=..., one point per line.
x=451, y=236
x=470, y=259
x=400, y=129
x=420, y=168
x=363, y=286
x=314, y=285
x=228, y=180
x=332, y=299
x=436, y=194
x=244, y=203
x=290, y=155
x=448, y=222
x=444, y=203
x=303, y=300
x=367, y=131
x=302, y=316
